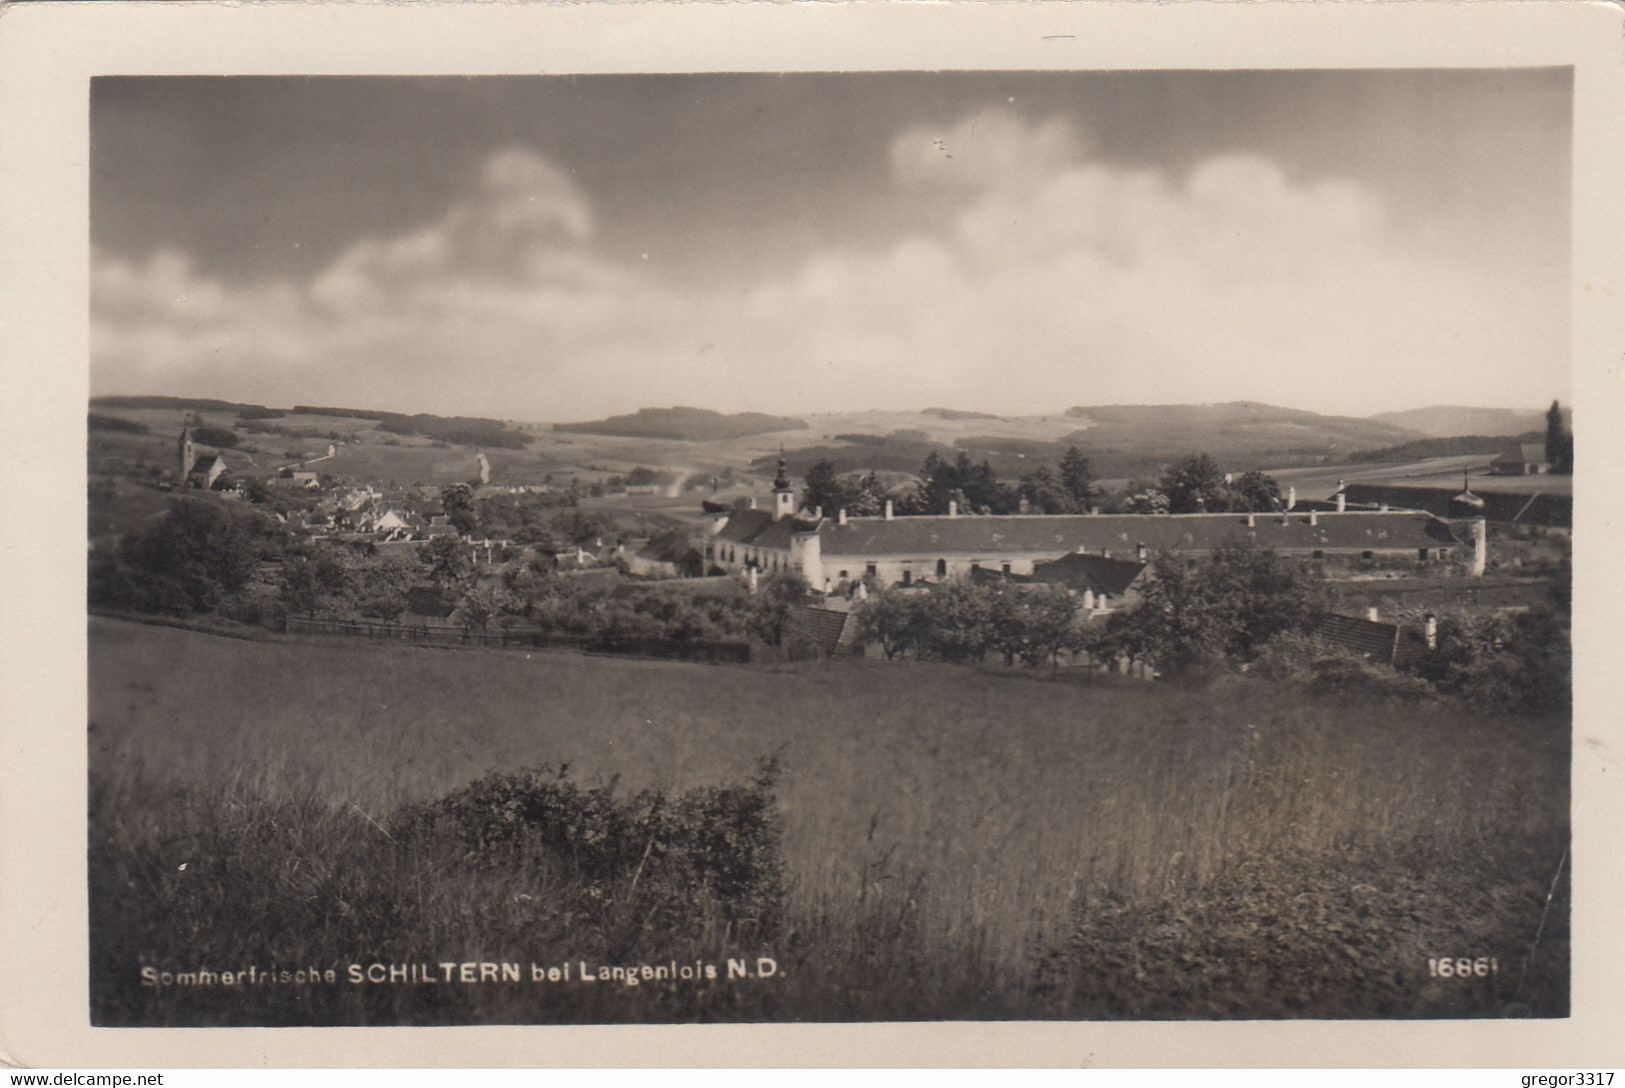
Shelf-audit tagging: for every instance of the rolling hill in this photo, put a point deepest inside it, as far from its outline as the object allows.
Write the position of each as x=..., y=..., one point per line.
x=1446, y=420
x=685, y=424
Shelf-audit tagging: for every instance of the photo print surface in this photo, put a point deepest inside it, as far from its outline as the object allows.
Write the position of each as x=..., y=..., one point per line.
x=966, y=545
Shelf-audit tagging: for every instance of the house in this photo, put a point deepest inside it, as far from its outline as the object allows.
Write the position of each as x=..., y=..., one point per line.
x=1104, y=584
x=826, y=630
x=205, y=471
x=665, y=555
x=889, y=550
x=1378, y=642
x=306, y=481
x=199, y=470
x=1521, y=459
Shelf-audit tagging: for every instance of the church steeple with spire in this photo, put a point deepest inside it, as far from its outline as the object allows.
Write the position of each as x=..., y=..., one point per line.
x=784, y=496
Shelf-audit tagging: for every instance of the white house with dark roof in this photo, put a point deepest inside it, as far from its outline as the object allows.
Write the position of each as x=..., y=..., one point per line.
x=892, y=550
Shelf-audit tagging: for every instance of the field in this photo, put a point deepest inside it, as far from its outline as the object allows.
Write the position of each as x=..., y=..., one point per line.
x=1321, y=481
x=955, y=843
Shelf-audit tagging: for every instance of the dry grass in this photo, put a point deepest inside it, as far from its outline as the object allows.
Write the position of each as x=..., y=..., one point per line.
x=952, y=840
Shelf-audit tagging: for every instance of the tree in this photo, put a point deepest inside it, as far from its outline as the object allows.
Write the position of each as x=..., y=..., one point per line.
x=184, y=562
x=892, y=618
x=311, y=584
x=1227, y=607
x=1145, y=500
x=1045, y=494
x=219, y=437
x=1194, y=483
x=973, y=486
x=776, y=598
x=957, y=621
x=1254, y=491
x=458, y=500
x=1077, y=477
x=1049, y=620
x=824, y=489
x=479, y=606
x=867, y=497
x=1559, y=443
x=445, y=562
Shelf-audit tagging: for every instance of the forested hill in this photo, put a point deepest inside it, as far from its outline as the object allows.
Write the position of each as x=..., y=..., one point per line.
x=685, y=424
x=1446, y=420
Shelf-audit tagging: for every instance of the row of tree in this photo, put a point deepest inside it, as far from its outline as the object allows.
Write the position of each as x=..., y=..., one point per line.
x=1192, y=484
x=1242, y=610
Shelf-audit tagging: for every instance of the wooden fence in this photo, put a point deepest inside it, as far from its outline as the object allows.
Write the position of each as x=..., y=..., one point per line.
x=519, y=639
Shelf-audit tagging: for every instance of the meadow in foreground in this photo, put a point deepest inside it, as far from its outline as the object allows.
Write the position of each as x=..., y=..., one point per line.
x=900, y=840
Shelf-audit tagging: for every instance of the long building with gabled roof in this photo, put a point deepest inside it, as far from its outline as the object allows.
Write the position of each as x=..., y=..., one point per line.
x=889, y=550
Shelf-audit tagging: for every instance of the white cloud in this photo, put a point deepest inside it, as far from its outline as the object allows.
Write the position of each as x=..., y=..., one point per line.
x=1048, y=279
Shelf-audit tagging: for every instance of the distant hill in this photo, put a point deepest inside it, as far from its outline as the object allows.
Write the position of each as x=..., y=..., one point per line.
x=1446, y=420
x=956, y=413
x=1452, y=446
x=183, y=404
x=1119, y=440
x=685, y=424
x=1240, y=434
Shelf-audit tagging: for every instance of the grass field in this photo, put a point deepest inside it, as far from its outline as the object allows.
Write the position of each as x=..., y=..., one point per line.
x=955, y=843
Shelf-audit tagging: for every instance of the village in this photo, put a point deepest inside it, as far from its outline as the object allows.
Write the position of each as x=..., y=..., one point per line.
x=532, y=561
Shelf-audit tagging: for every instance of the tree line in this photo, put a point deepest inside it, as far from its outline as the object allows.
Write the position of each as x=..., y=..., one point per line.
x=1191, y=484
x=1240, y=612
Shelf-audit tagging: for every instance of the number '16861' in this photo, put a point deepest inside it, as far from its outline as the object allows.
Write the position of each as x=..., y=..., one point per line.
x=1462, y=967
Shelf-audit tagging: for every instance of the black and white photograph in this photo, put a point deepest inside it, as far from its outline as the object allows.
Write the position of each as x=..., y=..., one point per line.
x=640, y=534
x=829, y=547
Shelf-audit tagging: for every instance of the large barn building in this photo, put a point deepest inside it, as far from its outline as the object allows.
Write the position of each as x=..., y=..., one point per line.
x=888, y=550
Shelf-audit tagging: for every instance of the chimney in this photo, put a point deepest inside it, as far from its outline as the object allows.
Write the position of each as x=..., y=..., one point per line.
x=953, y=508
x=888, y=509
x=1291, y=497
x=1024, y=507
x=840, y=517
x=1095, y=511
x=818, y=512
x=1139, y=551
x=752, y=502
x=1313, y=520
x=1342, y=497
x=1251, y=521
x=1430, y=630
x=1371, y=613
x=1081, y=550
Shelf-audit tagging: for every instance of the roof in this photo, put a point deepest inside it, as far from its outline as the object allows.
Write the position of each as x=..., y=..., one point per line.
x=825, y=628
x=982, y=576
x=1094, y=572
x=204, y=463
x=1122, y=533
x=1387, y=643
x=667, y=548
x=1541, y=508
x=759, y=529
x=1533, y=453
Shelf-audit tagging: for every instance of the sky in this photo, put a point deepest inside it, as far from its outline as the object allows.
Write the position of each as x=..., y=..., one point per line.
x=568, y=247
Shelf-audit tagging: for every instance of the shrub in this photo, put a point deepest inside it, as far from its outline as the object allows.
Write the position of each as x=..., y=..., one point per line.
x=667, y=864
x=216, y=436
x=182, y=563
x=100, y=422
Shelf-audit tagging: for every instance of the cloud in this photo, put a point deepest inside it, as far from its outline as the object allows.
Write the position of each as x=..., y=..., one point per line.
x=989, y=148
x=1044, y=278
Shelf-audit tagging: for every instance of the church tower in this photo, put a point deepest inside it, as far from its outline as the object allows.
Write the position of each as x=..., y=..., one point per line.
x=1467, y=525
x=188, y=455
x=784, y=496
